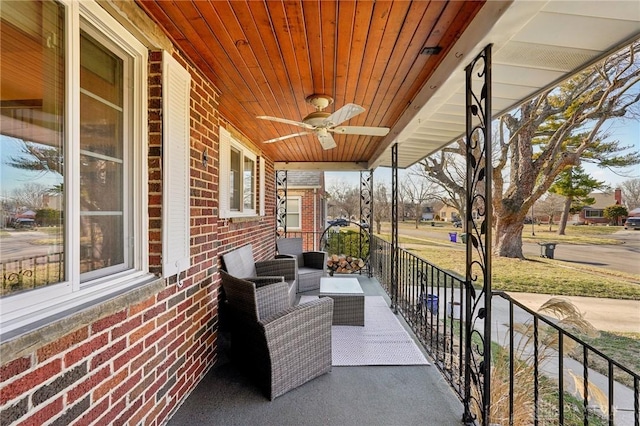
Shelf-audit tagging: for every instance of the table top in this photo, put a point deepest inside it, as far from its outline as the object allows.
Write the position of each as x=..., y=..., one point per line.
x=340, y=285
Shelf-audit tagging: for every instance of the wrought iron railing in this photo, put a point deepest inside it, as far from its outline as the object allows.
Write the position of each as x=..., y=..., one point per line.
x=31, y=272
x=535, y=379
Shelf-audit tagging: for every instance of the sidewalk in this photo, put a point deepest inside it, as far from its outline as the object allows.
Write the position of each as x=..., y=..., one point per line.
x=603, y=314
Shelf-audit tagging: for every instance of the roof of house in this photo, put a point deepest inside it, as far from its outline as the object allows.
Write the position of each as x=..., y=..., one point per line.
x=298, y=178
x=603, y=200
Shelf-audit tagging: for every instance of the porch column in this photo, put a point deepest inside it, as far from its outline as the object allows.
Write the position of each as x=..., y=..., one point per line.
x=394, y=227
x=281, y=203
x=366, y=213
x=477, y=402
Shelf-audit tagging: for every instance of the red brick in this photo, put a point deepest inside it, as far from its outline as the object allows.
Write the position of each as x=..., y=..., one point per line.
x=15, y=367
x=135, y=309
x=151, y=365
x=30, y=381
x=83, y=351
x=108, y=353
x=142, y=412
x=96, y=411
x=108, y=322
x=152, y=313
x=106, y=387
x=126, y=357
x=110, y=416
x=126, y=327
x=125, y=387
x=62, y=344
x=44, y=414
x=141, y=387
x=141, y=332
x=142, y=359
x=150, y=340
x=90, y=383
x=126, y=416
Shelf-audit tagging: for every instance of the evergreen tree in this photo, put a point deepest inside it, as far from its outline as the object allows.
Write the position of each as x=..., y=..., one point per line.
x=575, y=185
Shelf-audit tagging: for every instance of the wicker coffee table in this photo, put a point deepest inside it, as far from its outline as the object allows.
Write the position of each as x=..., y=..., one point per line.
x=348, y=299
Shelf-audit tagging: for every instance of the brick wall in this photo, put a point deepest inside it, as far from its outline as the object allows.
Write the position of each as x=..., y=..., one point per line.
x=133, y=359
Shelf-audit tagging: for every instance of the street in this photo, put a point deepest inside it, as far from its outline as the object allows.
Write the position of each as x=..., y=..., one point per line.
x=624, y=257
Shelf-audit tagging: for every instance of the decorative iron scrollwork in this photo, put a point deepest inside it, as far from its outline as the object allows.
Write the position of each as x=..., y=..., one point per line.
x=281, y=202
x=478, y=242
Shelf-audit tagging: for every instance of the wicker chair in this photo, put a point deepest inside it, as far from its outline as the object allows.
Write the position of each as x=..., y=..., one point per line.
x=281, y=346
x=312, y=265
x=241, y=264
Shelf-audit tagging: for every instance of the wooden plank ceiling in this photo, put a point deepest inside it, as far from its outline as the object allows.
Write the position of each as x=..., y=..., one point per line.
x=267, y=57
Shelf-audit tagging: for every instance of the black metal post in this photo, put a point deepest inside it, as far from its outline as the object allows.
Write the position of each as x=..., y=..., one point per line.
x=394, y=228
x=281, y=203
x=477, y=402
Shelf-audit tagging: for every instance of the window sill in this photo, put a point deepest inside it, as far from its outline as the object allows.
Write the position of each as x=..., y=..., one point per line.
x=244, y=219
x=24, y=340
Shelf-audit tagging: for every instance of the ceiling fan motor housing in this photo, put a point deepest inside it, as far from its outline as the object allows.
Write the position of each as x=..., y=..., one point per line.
x=316, y=118
x=319, y=101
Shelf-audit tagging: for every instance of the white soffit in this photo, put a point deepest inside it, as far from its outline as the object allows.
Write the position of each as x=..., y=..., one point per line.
x=536, y=44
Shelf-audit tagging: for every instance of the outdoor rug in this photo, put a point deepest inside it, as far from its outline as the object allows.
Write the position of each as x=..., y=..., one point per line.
x=382, y=340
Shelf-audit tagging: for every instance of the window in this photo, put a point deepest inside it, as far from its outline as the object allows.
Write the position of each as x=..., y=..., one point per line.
x=238, y=171
x=593, y=214
x=72, y=139
x=293, y=218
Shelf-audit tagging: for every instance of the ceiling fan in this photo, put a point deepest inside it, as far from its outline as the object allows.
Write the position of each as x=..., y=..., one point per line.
x=323, y=123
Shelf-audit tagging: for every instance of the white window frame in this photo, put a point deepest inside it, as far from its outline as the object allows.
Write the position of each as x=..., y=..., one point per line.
x=593, y=214
x=299, y=213
x=23, y=310
x=226, y=143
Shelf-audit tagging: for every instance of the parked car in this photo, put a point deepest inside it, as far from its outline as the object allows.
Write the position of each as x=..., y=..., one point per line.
x=457, y=223
x=632, y=223
x=339, y=222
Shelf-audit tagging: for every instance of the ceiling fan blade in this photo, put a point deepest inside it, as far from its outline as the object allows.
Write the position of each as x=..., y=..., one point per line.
x=281, y=138
x=326, y=140
x=343, y=114
x=361, y=130
x=284, y=120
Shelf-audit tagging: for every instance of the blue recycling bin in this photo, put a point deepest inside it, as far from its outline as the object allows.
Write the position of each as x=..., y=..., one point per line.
x=453, y=237
x=432, y=303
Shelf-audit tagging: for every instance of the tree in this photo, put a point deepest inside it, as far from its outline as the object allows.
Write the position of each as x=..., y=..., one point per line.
x=575, y=185
x=345, y=199
x=416, y=191
x=631, y=193
x=614, y=213
x=30, y=195
x=549, y=206
x=447, y=170
x=381, y=205
x=561, y=127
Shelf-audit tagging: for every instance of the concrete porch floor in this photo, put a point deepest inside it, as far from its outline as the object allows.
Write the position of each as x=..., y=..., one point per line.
x=368, y=395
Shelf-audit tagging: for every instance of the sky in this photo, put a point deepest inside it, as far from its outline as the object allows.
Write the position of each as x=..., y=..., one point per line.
x=626, y=131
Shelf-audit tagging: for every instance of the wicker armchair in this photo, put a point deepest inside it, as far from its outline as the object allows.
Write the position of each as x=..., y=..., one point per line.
x=311, y=266
x=241, y=264
x=282, y=346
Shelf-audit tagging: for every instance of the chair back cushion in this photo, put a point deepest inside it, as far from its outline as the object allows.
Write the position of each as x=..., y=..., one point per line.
x=240, y=262
x=291, y=246
x=241, y=295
